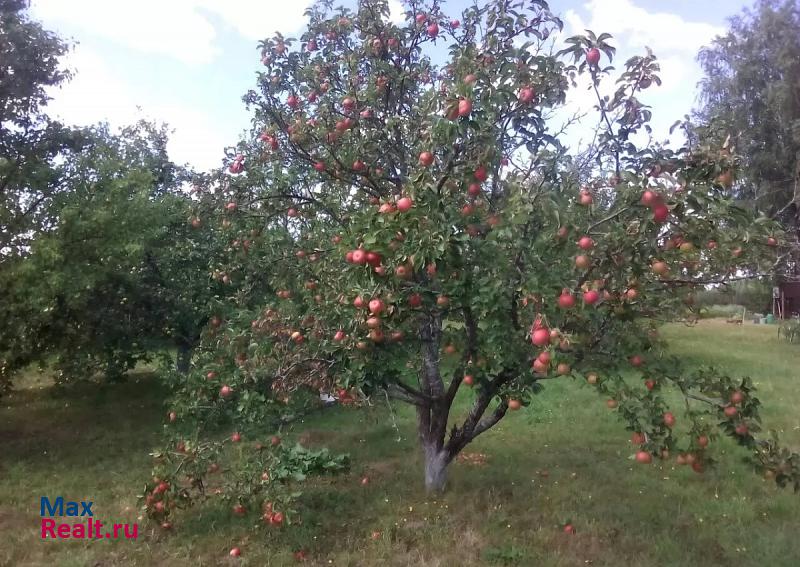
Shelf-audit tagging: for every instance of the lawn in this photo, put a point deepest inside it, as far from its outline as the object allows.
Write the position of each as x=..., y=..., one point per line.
x=564, y=459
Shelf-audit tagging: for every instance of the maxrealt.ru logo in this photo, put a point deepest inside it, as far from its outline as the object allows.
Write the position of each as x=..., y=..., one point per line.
x=87, y=527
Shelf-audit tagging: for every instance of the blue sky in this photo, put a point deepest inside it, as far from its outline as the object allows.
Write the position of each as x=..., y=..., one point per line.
x=188, y=62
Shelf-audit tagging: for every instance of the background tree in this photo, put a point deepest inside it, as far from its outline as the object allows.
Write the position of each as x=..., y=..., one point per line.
x=122, y=273
x=751, y=93
x=29, y=141
x=412, y=233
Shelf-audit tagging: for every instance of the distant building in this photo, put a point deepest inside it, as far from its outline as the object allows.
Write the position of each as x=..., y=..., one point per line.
x=786, y=299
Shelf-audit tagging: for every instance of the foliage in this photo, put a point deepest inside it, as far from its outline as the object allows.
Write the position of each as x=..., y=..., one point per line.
x=730, y=310
x=749, y=94
x=790, y=330
x=754, y=295
x=121, y=272
x=403, y=228
x=29, y=141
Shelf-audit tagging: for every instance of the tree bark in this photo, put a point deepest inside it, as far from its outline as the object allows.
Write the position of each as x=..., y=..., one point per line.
x=436, y=461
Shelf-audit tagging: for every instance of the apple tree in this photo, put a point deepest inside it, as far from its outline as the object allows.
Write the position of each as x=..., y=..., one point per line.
x=412, y=228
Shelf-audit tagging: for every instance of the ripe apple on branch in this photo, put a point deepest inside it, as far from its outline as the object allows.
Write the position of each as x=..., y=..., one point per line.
x=435, y=274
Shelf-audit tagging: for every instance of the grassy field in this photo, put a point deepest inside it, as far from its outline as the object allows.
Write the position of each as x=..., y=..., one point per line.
x=565, y=459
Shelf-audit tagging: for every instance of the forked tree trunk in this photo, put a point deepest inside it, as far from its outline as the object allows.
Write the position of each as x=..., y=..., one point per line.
x=434, y=400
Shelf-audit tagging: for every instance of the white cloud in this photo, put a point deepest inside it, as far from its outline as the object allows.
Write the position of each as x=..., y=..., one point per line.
x=183, y=29
x=151, y=26
x=98, y=93
x=674, y=41
x=635, y=27
x=397, y=12
x=257, y=20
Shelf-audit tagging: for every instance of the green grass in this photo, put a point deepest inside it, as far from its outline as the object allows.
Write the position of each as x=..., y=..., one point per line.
x=564, y=459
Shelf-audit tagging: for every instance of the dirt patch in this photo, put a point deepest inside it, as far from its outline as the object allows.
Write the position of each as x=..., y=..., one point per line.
x=317, y=437
x=384, y=467
x=12, y=518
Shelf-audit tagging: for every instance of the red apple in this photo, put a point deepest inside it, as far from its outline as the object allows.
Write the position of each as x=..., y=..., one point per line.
x=514, y=405
x=481, y=174
x=583, y=261
x=591, y=297
x=235, y=552
x=566, y=300
x=526, y=94
x=593, y=56
x=415, y=300
x=540, y=337
x=359, y=256
x=468, y=380
x=404, y=204
x=585, y=243
x=660, y=213
x=225, y=391
x=650, y=198
x=425, y=159
x=644, y=457
x=669, y=419
x=660, y=268
x=376, y=306
x=464, y=107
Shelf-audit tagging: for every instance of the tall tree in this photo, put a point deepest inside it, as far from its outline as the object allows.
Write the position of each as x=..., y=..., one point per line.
x=29, y=141
x=751, y=93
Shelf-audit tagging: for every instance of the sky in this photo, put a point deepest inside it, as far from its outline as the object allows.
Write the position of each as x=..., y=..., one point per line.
x=187, y=63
